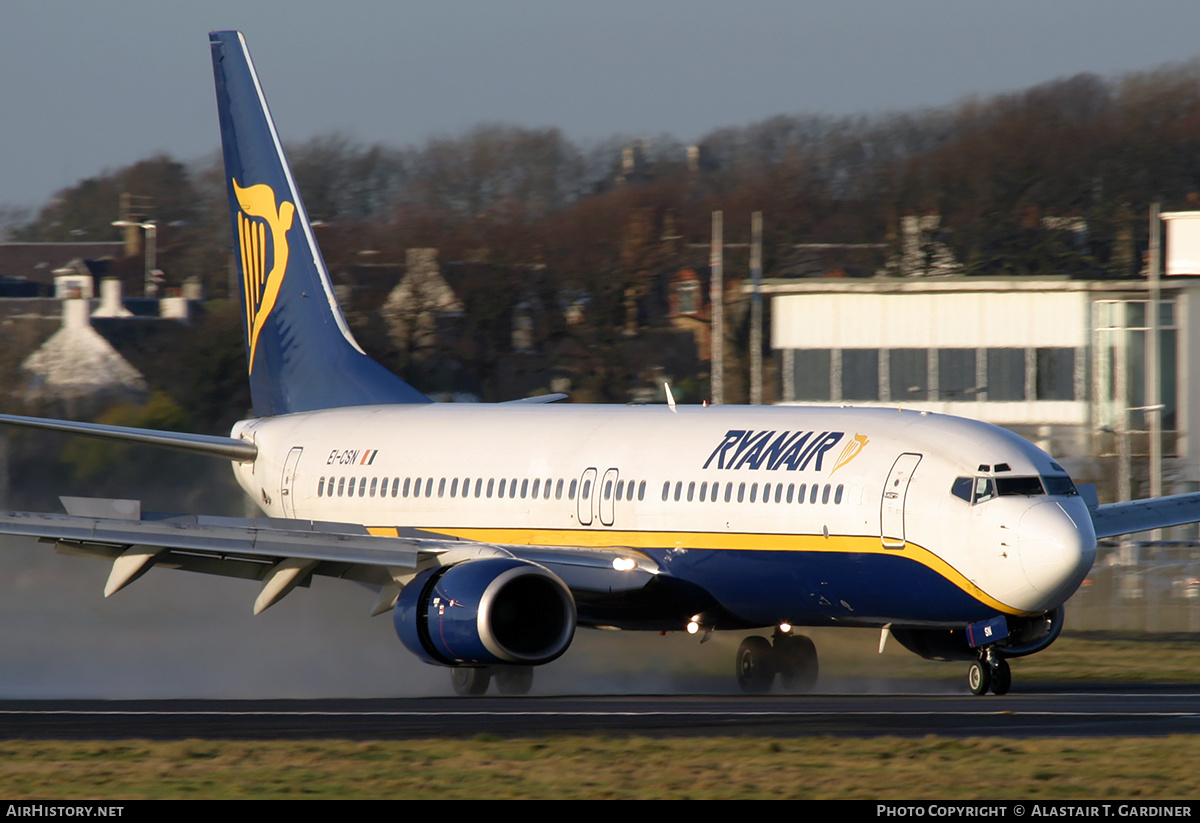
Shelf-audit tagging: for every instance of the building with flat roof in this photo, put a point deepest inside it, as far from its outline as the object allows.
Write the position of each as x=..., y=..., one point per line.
x=1062, y=362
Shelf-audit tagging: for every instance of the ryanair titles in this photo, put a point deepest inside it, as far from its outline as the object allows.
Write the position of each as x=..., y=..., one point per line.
x=794, y=451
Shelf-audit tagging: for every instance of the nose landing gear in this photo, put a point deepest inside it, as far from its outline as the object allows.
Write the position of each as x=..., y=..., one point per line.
x=989, y=673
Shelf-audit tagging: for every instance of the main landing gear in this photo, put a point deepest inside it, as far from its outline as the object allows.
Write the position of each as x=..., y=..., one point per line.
x=511, y=680
x=793, y=657
x=989, y=673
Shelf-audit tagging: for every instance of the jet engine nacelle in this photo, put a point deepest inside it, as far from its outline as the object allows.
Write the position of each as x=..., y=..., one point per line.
x=483, y=612
x=1026, y=635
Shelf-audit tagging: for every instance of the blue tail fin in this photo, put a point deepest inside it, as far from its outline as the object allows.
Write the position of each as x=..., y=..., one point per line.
x=300, y=352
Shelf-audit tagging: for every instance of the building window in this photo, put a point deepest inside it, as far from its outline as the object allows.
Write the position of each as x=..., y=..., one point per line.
x=908, y=371
x=811, y=374
x=1055, y=374
x=860, y=374
x=687, y=297
x=1006, y=374
x=956, y=374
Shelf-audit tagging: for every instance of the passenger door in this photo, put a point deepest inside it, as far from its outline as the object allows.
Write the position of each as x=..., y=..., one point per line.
x=287, y=483
x=587, y=489
x=891, y=509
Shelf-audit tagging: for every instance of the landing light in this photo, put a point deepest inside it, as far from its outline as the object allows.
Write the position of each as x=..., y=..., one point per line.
x=624, y=564
x=693, y=627
x=785, y=627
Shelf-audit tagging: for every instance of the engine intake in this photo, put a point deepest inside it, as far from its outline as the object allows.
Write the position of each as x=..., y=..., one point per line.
x=484, y=612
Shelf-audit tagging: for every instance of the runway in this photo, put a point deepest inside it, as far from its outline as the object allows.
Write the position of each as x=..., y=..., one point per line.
x=1069, y=711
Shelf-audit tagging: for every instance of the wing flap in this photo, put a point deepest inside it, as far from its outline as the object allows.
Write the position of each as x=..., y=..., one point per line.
x=285, y=554
x=222, y=536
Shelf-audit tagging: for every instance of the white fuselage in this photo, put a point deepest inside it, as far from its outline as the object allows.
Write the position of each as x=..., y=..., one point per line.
x=855, y=507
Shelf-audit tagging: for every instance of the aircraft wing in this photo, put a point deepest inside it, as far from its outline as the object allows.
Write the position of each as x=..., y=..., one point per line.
x=283, y=554
x=1116, y=519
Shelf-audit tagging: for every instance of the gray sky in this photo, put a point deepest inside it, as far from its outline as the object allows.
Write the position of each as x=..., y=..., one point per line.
x=97, y=85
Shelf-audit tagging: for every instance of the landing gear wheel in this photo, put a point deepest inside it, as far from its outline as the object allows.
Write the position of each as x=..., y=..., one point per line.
x=1001, y=676
x=755, y=665
x=513, y=679
x=470, y=682
x=979, y=677
x=798, y=665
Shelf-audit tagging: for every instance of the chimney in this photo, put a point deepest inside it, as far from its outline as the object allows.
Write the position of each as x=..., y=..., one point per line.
x=110, y=300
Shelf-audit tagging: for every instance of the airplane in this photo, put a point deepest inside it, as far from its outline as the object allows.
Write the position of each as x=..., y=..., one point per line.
x=491, y=532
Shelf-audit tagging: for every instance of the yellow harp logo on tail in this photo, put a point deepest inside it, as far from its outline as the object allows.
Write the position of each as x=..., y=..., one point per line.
x=262, y=237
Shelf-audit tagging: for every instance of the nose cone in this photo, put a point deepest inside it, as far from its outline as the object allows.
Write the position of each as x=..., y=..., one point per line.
x=1057, y=545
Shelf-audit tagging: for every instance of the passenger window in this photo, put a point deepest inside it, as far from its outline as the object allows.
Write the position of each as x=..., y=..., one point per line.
x=642, y=490
x=666, y=490
x=825, y=494
x=608, y=490
x=491, y=486
x=812, y=498
x=837, y=496
x=321, y=487
x=791, y=492
x=362, y=487
x=728, y=492
x=571, y=490
x=341, y=485
x=587, y=490
x=537, y=485
x=741, y=492
x=374, y=481
x=524, y=488
x=691, y=491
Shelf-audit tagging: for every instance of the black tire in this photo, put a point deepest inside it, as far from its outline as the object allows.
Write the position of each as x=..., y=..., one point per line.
x=755, y=665
x=979, y=677
x=470, y=682
x=513, y=679
x=798, y=664
x=1001, y=677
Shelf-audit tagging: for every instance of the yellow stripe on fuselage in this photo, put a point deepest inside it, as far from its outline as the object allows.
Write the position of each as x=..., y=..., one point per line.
x=738, y=541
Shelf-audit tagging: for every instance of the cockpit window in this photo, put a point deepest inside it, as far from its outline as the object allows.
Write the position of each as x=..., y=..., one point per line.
x=984, y=489
x=1059, y=484
x=962, y=488
x=1019, y=485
